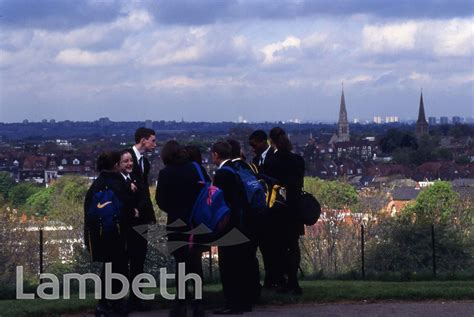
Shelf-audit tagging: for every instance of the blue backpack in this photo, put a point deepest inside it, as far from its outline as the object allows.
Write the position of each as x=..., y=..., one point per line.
x=210, y=208
x=104, y=213
x=254, y=190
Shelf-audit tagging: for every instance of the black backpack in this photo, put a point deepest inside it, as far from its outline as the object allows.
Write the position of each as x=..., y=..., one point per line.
x=309, y=209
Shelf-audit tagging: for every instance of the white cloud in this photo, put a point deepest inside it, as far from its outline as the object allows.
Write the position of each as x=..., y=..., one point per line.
x=389, y=38
x=454, y=38
x=419, y=77
x=273, y=52
x=79, y=57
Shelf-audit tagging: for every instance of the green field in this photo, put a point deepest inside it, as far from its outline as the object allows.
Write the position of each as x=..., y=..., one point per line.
x=314, y=292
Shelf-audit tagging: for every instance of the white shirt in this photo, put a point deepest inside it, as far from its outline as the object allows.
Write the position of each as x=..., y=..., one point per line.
x=222, y=164
x=263, y=156
x=126, y=176
x=139, y=156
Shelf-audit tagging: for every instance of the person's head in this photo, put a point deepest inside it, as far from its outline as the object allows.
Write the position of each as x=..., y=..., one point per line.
x=258, y=141
x=279, y=139
x=221, y=151
x=194, y=153
x=145, y=139
x=235, y=149
x=126, y=162
x=108, y=161
x=173, y=153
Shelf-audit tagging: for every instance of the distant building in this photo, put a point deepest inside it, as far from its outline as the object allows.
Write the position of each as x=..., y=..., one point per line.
x=149, y=124
x=432, y=120
x=343, y=123
x=456, y=120
x=391, y=119
x=421, y=124
x=377, y=119
x=443, y=120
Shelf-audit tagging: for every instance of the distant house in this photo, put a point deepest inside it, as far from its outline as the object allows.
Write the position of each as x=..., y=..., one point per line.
x=400, y=197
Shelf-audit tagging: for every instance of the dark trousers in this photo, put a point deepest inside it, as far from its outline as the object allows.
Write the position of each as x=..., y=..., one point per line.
x=192, y=258
x=114, y=253
x=238, y=276
x=293, y=262
x=137, y=247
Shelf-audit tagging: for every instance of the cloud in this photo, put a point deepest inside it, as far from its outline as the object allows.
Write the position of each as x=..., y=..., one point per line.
x=275, y=52
x=389, y=38
x=456, y=38
x=189, y=12
x=57, y=14
x=77, y=57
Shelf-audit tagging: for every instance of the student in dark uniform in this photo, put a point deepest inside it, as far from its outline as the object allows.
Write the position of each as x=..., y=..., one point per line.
x=110, y=247
x=288, y=168
x=179, y=185
x=268, y=233
x=145, y=141
x=250, y=223
x=235, y=261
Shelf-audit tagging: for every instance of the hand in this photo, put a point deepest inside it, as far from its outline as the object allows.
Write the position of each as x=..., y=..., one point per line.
x=137, y=213
x=133, y=187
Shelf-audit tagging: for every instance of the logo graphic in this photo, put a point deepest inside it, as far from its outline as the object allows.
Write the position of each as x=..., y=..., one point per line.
x=100, y=206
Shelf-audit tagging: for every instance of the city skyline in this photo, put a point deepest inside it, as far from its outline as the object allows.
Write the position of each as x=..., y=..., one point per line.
x=221, y=60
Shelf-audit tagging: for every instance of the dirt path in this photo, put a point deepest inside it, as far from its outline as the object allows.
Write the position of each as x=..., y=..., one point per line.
x=382, y=309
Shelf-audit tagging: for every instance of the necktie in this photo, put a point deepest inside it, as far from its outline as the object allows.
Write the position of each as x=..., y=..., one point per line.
x=140, y=161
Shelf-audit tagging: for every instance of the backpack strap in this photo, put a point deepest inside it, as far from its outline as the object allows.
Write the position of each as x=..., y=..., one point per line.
x=230, y=169
x=198, y=168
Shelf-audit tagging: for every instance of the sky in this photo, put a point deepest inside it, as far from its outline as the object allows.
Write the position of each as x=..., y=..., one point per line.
x=218, y=60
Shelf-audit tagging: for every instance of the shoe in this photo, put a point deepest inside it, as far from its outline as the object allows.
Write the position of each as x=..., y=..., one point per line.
x=228, y=311
x=137, y=305
x=178, y=311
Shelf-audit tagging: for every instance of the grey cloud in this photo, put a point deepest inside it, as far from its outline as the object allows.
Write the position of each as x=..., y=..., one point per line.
x=210, y=11
x=56, y=14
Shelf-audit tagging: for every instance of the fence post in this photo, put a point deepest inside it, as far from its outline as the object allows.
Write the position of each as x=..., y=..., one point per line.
x=41, y=251
x=362, y=245
x=433, y=249
x=210, y=263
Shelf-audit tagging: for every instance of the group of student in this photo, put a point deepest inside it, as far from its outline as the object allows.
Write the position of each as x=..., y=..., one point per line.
x=275, y=232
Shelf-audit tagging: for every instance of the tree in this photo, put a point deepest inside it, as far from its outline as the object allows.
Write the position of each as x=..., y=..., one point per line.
x=39, y=202
x=6, y=183
x=19, y=194
x=434, y=204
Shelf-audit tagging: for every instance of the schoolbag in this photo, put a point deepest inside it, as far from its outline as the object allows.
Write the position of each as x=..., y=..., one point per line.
x=102, y=220
x=275, y=193
x=254, y=190
x=210, y=208
x=309, y=209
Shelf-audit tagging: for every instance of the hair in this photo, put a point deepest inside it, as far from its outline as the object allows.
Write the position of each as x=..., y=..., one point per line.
x=173, y=153
x=142, y=132
x=194, y=153
x=280, y=139
x=235, y=148
x=259, y=136
x=107, y=160
x=223, y=149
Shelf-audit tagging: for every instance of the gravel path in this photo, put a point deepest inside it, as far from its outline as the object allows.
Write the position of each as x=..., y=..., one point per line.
x=383, y=309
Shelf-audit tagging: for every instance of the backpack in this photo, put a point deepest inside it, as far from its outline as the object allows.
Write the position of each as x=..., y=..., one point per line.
x=275, y=193
x=210, y=208
x=309, y=209
x=254, y=190
x=102, y=221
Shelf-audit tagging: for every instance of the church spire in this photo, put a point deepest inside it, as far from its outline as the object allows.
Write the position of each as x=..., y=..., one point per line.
x=421, y=111
x=421, y=123
x=343, y=123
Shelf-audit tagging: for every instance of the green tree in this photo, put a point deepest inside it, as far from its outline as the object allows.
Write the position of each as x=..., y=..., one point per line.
x=434, y=204
x=39, y=203
x=6, y=183
x=19, y=194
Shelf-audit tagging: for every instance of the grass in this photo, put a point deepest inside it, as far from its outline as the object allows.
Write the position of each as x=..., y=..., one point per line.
x=325, y=291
